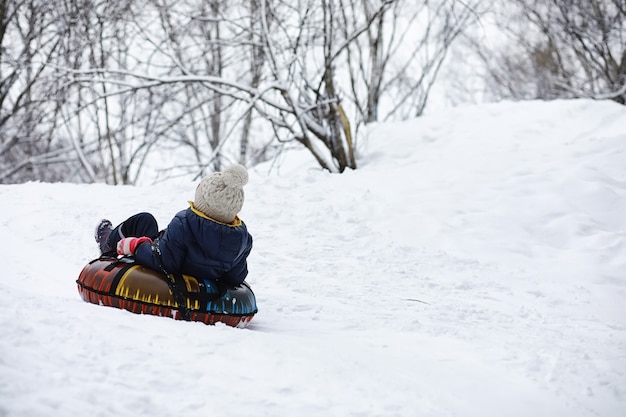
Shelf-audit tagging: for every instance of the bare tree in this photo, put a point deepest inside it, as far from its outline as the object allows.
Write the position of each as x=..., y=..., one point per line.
x=256, y=71
x=394, y=66
x=561, y=49
x=312, y=113
x=28, y=90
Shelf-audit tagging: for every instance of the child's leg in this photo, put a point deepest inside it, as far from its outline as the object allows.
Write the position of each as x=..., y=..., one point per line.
x=141, y=224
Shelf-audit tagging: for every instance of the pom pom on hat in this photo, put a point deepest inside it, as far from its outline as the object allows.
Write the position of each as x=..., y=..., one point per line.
x=220, y=195
x=235, y=176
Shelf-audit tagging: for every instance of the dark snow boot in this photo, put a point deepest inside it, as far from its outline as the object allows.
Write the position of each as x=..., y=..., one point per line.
x=102, y=234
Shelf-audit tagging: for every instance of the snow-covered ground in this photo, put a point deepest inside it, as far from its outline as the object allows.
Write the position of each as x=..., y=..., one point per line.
x=474, y=265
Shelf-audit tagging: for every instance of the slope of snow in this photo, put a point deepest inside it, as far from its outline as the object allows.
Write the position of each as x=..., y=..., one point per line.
x=474, y=265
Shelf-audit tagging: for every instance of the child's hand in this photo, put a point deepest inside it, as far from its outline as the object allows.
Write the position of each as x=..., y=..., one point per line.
x=128, y=245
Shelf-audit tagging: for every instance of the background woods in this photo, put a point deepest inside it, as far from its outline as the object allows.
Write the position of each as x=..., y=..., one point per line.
x=145, y=90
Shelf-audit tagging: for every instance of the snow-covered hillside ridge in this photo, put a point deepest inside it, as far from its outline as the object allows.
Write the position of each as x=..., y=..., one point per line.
x=474, y=265
x=520, y=183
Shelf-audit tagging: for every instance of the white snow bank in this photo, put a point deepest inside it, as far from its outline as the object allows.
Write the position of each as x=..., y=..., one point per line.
x=474, y=265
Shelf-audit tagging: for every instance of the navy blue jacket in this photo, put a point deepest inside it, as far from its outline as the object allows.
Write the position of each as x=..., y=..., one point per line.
x=194, y=244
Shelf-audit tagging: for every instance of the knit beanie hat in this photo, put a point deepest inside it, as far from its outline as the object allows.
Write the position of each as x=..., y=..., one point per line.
x=220, y=195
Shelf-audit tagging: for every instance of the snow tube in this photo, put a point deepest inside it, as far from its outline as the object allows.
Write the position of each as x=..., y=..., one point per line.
x=124, y=284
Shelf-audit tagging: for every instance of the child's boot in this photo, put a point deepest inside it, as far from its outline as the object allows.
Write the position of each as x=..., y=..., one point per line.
x=102, y=234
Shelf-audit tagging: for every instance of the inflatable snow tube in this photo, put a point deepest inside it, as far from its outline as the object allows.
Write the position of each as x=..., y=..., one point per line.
x=122, y=283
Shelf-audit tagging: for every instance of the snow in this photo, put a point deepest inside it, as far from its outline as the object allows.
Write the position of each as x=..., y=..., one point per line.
x=474, y=265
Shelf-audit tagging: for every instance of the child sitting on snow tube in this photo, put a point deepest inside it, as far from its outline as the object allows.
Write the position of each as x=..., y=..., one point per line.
x=206, y=240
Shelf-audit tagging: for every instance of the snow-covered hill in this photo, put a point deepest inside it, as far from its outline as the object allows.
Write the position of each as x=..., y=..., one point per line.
x=474, y=265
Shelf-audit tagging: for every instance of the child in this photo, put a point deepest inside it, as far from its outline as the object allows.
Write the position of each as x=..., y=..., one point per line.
x=207, y=240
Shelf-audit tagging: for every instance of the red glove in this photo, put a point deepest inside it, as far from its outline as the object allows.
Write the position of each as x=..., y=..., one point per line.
x=128, y=245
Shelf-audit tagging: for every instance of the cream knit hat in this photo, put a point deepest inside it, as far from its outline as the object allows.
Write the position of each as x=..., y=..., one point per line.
x=220, y=195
